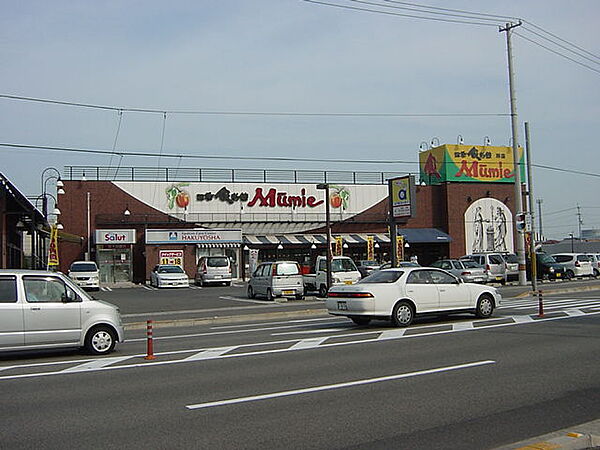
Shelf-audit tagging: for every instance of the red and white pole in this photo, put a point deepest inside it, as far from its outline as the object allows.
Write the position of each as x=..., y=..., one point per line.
x=541, y=304
x=150, y=346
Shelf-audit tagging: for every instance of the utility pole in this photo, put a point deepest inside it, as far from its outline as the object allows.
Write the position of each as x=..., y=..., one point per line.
x=532, y=255
x=539, y=202
x=519, y=237
x=579, y=220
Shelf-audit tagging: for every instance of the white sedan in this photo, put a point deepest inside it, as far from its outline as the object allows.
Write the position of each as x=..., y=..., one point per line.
x=165, y=275
x=402, y=293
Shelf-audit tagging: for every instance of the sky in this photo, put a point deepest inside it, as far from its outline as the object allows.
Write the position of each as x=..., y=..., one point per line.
x=297, y=56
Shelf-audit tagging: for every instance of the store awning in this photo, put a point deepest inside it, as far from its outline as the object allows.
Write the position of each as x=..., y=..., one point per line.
x=220, y=245
x=411, y=235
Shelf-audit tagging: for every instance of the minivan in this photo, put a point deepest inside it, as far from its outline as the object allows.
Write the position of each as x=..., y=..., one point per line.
x=85, y=274
x=595, y=258
x=575, y=264
x=277, y=279
x=40, y=309
x=494, y=263
x=213, y=270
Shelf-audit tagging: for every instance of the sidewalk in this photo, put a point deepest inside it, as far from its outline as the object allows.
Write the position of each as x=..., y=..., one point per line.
x=584, y=436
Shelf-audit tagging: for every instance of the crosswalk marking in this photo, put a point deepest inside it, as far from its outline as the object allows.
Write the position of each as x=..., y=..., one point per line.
x=275, y=347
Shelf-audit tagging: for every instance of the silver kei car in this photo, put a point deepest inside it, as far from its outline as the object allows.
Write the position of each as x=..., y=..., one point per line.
x=467, y=270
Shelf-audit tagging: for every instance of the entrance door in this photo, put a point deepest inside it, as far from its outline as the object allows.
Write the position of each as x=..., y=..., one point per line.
x=114, y=264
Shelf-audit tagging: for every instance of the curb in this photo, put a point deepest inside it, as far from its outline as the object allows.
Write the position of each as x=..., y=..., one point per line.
x=557, y=291
x=224, y=319
x=585, y=438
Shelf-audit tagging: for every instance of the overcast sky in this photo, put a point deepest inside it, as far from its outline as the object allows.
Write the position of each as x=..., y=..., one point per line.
x=294, y=56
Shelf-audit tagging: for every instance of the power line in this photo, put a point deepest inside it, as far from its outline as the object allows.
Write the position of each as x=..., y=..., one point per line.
x=561, y=46
x=247, y=158
x=555, y=52
x=162, y=111
x=389, y=13
x=561, y=39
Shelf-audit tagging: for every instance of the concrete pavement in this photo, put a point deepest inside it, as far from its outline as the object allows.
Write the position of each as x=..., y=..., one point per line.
x=584, y=436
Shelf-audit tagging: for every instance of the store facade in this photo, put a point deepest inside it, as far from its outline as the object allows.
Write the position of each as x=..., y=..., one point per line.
x=179, y=215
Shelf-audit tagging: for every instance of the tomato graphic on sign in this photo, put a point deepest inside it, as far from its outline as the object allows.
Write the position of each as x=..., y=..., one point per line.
x=339, y=196
x=176, y=195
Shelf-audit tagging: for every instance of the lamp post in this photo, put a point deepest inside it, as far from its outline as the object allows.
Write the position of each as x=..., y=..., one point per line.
x=572, y=248
x=325, y=187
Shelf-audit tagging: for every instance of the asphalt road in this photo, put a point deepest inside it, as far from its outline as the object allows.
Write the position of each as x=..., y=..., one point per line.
x=139, y=303
x=453, y=382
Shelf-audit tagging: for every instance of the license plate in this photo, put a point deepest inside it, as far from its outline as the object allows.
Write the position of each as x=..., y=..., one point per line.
x=347, y=282
x=217, y=276
x=342, y=306
x=288, y=292
x=558, y=275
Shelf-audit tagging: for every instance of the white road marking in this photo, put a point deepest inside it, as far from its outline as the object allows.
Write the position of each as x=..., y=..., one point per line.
x=392, y=334
x=96, y=364
x=148, y=288
x=323, y=330
x=308, y=343
x=329, y=387
x=360, y=339
x=211, y=353
x=462, y=326
x=274, y=323
x=262, y=302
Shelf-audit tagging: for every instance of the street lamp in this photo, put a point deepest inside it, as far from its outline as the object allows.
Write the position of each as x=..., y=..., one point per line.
x=325, y=187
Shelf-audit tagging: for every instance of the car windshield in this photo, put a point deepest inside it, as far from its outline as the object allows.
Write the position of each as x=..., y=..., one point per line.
x=369, y=263
x=217, y=262
x=511, y=258
x=546, y=259
x=84, y=267
x=470, y=264
x=170, y=269
x=382, y=276
x=288, y=269
x=343, y=265
x=408, y=264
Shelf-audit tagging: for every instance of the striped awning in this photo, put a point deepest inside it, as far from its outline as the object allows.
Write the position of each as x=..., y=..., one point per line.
x=219, y=245
x=412, y=235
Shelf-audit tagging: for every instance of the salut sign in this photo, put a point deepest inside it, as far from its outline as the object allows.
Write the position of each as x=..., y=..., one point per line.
x=115, y=236
x=268, y=197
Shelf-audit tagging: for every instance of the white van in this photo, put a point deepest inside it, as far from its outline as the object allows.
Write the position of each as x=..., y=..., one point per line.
x=40, y=309
x=213, y=269
x=277, y=279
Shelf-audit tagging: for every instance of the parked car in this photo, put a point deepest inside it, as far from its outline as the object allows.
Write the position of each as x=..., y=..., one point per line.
x=85, y=274
x=595, y=258
x=366, y=267
x=494, y=264
x=467, y=270
x=388, y=265
x=277, y=279
x=213, y=270
x=512, y=266
x=401, y=294
x=547, y=268
x=343, y=271
x=166, y=275
x=40, y=309
x=575, y=264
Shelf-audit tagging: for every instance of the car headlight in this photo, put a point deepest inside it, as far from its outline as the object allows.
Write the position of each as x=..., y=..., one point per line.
x=551, y=269
x=336, y=280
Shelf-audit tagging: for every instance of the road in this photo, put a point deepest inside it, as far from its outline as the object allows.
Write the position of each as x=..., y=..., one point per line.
x=318, y=382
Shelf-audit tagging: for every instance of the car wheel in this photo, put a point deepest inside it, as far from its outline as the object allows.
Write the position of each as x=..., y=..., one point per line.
x=403, y=314
x=596, y=273
x=360, y=320
x=228, y=283
x=485, y=307
x=569, y=274
x=100, y=340
x=300, y=297
x=270, y=295
x=323, y=291
x=251, y=292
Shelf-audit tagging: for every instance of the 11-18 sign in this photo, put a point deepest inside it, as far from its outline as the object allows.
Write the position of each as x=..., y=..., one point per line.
x=171, y=257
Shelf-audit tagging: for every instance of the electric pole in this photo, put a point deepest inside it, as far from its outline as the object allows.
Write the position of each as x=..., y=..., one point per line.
x=579, y=220
x=539, y=202
x=519, y=237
